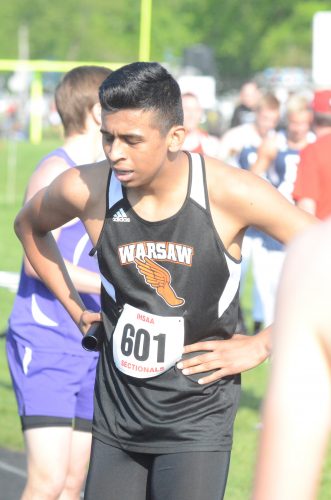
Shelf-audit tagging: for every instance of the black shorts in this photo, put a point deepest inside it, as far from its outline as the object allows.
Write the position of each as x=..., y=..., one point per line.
x=115, y=474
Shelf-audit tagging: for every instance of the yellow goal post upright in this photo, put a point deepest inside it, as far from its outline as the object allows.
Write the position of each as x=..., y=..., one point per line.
x=37, y=67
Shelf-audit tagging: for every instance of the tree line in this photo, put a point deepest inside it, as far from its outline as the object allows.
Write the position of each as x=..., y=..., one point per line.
x=245, y=36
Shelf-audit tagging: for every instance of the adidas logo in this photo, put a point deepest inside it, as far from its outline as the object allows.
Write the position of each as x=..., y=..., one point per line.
x=121, y=216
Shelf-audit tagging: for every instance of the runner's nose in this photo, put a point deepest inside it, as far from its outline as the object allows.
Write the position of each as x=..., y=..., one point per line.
x=116, y=150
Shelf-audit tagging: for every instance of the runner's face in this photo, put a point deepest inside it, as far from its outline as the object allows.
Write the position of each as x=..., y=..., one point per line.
x=133, y=145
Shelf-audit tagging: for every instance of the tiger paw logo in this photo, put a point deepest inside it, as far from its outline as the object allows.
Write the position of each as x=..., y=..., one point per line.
x=159, y=278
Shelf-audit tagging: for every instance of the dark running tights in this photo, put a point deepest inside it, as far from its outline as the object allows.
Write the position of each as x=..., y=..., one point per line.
x=118, y=475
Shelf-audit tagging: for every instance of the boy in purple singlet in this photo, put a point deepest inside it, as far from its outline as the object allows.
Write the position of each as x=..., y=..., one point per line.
x=53, y=377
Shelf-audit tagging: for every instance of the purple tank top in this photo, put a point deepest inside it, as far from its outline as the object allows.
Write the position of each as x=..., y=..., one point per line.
x=38, y=320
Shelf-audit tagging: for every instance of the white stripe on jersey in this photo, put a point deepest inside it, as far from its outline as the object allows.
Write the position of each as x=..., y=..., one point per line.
x=231, y=286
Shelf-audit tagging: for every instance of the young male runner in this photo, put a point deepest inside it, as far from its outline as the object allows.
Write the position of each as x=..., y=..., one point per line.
x=167, y=227
x=53, y=377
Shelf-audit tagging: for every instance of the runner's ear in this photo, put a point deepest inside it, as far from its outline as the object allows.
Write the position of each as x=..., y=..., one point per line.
x=176, y=138
x=96, y=113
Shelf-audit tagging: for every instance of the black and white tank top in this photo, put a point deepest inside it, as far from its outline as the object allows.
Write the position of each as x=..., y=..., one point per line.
x=177, y=267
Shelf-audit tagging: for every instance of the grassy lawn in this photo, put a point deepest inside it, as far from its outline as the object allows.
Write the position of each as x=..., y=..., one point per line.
x=17, y=162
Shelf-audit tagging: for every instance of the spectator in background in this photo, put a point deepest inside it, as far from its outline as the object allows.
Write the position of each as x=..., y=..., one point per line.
x=312, y=189
x=197, y=140
x=244, y=140
x=297, y=409
x=238, y=146
x=53, y=377
x=277, y=160
x=278, y=154
x=244, y=112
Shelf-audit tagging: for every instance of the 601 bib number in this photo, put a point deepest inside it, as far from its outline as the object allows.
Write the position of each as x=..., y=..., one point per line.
x=139, y=342
x=145, y=345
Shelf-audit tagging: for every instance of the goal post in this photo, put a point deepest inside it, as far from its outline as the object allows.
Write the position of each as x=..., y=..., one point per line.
x=36, y=68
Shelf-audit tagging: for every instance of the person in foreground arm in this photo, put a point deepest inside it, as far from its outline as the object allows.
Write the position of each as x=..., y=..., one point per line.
x=297, y=410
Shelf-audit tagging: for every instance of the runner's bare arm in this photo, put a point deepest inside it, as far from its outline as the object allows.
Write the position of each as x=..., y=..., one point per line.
x=263, y=206
x=65, y=198
x=44, y=174
x=85, y=281
x=239, y=199
x=244, y=200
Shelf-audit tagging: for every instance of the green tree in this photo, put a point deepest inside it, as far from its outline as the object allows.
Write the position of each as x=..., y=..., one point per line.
x=289, y=43
x=246, y=36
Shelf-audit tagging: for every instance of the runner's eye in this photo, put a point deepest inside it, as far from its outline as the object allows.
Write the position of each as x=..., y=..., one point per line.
x=133, y=141
x=109, y=139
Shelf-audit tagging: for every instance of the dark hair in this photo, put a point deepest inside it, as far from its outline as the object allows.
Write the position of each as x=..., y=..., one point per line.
x=76, y=94
x=322, y=119
x=147, y=86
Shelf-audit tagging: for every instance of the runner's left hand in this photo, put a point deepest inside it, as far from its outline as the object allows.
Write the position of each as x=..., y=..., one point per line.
x=226, y=357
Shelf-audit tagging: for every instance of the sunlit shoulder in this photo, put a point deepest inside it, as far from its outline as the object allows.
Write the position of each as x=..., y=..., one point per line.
x=227, y=183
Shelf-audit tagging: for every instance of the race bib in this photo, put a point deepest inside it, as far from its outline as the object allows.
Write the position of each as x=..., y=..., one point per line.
x=146, y=345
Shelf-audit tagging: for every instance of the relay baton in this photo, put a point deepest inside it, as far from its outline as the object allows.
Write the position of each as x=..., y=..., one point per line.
x=92, y=340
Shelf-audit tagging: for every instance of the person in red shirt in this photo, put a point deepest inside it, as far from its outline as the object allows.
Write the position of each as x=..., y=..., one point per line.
x=312, y=188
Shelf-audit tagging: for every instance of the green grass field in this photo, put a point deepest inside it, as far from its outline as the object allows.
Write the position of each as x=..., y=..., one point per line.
x=17, y=160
